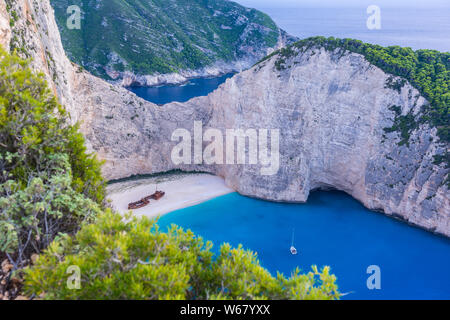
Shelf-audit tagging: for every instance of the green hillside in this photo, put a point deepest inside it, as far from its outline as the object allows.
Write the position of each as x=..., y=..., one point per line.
x=149, y=36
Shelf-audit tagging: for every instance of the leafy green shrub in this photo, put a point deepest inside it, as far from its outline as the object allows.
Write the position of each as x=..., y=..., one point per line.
x=48, y=183
x=33, y=216
x=34, y=126
x=129, y=258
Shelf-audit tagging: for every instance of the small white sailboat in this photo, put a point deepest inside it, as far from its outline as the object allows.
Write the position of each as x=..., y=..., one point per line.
x=293, y=249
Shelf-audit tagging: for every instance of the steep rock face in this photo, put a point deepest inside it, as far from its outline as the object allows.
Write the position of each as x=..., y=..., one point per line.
x=34, y=35
x=331, y=110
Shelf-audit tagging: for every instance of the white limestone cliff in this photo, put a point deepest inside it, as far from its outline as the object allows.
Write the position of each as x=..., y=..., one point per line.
x=5, y=31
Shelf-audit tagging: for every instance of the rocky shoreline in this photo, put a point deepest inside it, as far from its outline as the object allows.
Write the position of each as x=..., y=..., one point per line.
x=129, y=79
x=219, y=68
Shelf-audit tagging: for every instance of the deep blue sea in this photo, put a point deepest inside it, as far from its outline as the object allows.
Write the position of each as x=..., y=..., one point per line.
x=180, y=93
x=331, y=229
x=418, y=28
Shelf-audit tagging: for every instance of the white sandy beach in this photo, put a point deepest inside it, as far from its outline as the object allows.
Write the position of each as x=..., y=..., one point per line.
x=182, y=190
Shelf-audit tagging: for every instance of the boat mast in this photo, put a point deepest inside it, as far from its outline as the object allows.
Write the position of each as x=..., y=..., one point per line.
x=293, y=233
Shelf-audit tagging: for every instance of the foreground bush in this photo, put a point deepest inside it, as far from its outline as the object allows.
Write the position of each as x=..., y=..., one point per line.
x=48, y=183
x=34, y=214
x=129, y=258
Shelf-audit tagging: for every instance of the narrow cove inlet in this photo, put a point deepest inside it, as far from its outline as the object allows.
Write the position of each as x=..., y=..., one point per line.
x=332, y=229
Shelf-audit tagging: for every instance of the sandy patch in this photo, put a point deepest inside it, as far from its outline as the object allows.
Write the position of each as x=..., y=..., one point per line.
x=182, y=190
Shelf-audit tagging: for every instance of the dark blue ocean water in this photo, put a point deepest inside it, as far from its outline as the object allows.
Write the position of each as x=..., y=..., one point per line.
x=180, y=93
x=408, y=26
x=332, y=229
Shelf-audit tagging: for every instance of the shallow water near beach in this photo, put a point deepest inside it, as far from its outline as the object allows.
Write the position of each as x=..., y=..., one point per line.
x=331, y=229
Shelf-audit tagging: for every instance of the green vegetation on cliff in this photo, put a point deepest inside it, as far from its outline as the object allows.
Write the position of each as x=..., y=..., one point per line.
x=163, y=36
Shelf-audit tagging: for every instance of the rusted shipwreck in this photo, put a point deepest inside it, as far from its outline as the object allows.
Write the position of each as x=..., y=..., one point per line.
x=146, y=201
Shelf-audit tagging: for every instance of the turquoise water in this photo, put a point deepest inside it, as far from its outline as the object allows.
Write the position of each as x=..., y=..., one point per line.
x=180, y=93
x=332, y=229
